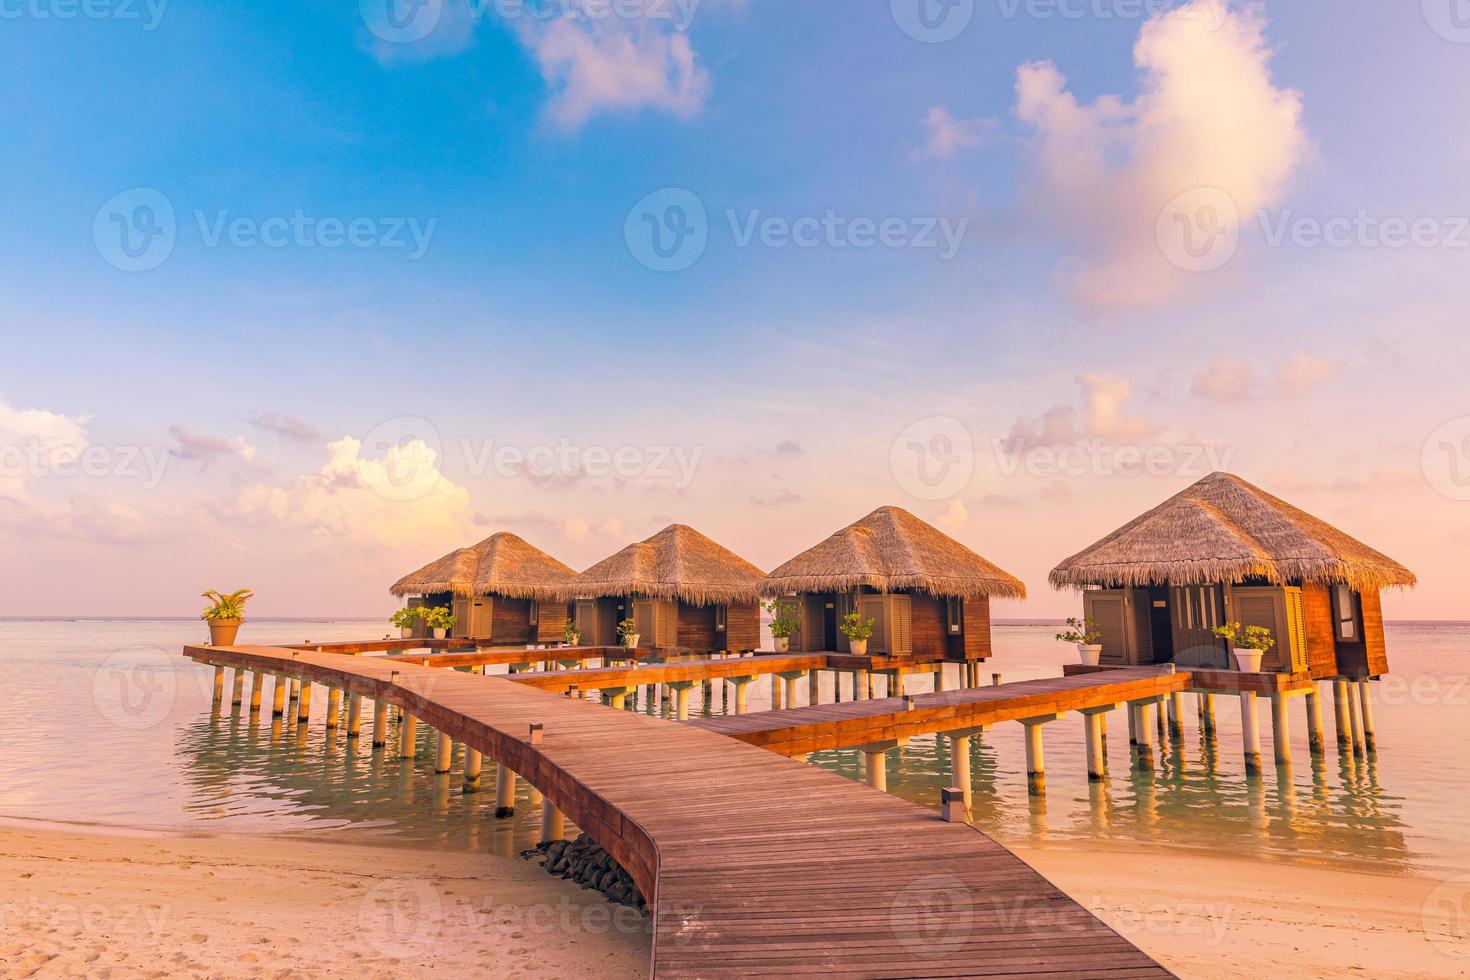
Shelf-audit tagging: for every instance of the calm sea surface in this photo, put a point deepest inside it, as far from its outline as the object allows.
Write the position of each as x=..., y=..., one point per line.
x=106, y=723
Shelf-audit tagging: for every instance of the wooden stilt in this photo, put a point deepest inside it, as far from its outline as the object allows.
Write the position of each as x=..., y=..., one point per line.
x=1366, y=703
x=1250, y=731
x=257, y=684
x=237, y=691
x=443, y=753
x=472, y=766
x=1281, y=731
x=303, y=704
x=354, y=715
x=1314, y=721
x=334, y=707
x=219, y=686
x=380, y=724
x=1340, y=713
x=553, y=824
x=505, y=791
x=278, y=696
x=408, y=731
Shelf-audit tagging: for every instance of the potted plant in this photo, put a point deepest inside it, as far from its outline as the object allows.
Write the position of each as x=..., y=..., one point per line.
x=571, y=634
x=1084, y=634
x=440, y=621
x=628, y=634
x=783, y=623
x=405, y=618
x=857, y=630
x=1249, y=643
x=224, y=615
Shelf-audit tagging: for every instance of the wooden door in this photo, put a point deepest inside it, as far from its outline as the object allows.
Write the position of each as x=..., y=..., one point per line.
x=1195, y=611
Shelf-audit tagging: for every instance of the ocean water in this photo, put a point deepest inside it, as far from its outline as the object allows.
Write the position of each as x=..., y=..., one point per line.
x=107, y=724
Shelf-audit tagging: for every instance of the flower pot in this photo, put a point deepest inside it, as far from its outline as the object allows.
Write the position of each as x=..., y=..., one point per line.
x=407, y=632
x=858, y=648
x=1248, y=661
x=1091, y=653
x=222, y=632
x=631, y=640
x=783, y=644
x=440, y=632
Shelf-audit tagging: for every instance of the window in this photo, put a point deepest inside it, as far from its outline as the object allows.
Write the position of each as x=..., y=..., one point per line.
x=535, y=612
x=720, y=612
x=954, y=615
x=1346, y=613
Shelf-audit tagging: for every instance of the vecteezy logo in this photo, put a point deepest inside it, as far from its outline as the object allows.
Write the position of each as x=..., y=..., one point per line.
x=135, y=688
x=668, y=230
x=401, y=21
x=1450, y=19
x=399, y=458
x=934, y=458
x=1199, y=231
x=1446, y=459
x=932, y=21
x=1446, y=916
x=401, y=917
x=933, y=916
x=135, y=231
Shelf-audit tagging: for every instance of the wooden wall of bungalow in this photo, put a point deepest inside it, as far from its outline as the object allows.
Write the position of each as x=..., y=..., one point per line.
x=1322, y=630
x=498, y=619
x=907, y=622
x=671, y=623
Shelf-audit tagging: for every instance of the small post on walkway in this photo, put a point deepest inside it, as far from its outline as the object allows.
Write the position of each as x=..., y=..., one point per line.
x=443, y=753
x=1250, y=731
x=1369, y=741
x=505, y=791
x=953, y=805
x=473, y=762
x=1280, y=730
x=1314, y=720
x=995, y=680
x=380, y=723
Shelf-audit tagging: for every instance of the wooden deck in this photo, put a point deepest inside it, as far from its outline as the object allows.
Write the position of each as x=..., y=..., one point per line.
x=754, y=864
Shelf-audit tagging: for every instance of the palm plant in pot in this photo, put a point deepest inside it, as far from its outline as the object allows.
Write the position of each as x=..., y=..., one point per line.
x=783, y=623
x=570, y=634
x=405, y=619
x=628, y=634
x=224, y=614
x=857, y=630
x=440, y=621
x=1248, y=643
x=1083, y=633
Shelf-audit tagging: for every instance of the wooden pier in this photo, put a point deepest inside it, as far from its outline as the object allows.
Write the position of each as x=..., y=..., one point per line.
x=753, y=863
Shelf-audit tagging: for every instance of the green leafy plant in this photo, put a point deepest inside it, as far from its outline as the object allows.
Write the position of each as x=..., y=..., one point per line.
x=1083, y=631
x=405, y=618
x=439, y=618
x=1246, y=637
x=571, y=634
x=627, y=629
x=783, y=618
x=226, y=605
x=854, y=627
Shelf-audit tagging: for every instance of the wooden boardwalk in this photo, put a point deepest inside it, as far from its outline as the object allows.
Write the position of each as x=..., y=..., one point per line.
x=754, y=864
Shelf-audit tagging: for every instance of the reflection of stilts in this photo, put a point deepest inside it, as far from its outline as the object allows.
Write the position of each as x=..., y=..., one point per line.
x=1098, y=801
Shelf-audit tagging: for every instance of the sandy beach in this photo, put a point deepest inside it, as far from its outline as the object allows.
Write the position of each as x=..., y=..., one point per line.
x=118, y=904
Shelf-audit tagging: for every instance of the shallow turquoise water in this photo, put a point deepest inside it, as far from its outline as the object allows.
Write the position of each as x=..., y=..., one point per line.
x=108, y=724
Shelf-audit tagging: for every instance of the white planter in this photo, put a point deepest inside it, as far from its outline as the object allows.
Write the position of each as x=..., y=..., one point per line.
x=783, y=644
x=858, y=648
x=631, y=640
x=407, y=632
x=1091, y=653
x=440, y=632
x=1248, y=661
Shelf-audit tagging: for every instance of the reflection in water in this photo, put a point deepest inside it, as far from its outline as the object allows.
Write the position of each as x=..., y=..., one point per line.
x=228, y=771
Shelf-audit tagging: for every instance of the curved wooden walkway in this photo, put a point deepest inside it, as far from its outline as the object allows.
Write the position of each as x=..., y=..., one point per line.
x=754, y=864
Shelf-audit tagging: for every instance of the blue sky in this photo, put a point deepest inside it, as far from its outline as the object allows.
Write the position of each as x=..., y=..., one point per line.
x=518, y=148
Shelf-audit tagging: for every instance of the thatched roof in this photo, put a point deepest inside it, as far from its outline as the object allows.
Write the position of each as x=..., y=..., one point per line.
x=1223, y=529
x=891, y=549
x=502, y=564
x=676, y=563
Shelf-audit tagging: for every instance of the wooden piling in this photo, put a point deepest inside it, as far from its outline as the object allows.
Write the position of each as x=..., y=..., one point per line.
x=505, y=791
x=1314, y=721
x=1250, y=731
x=473, y=763
x=1366, y=702
x=380, y=723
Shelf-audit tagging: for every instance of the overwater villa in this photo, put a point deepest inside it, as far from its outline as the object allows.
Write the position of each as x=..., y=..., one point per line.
x=500, y=591
x=927, y=595
x=1224, y=551
x=682, y=590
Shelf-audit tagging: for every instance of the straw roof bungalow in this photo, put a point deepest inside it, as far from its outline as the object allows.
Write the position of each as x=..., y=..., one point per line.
x=928, y=595
x=682, y=589
x=501, y=590
x=1224, y=550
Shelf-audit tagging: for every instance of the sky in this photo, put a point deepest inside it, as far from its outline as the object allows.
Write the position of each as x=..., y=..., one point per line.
x=298, y=297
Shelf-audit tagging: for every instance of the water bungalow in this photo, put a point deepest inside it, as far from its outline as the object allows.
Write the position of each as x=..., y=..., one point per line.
x=1225, y=551
x=501, y=591
x=682, y=590
x=927, y=594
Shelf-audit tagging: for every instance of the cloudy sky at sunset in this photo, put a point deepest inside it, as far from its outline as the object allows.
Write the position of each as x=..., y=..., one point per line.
x=300, y=296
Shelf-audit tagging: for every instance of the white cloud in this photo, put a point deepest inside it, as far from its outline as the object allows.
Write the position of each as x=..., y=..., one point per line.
x=576, y=529
x=1226, y=381
x=33, y=441
x=1302, y=372
x=1208, y=116
x=1105, y=398
x=955, y=516
x=207, y=448
x=1057, y=426
x=400, y=499
x=945, y=135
